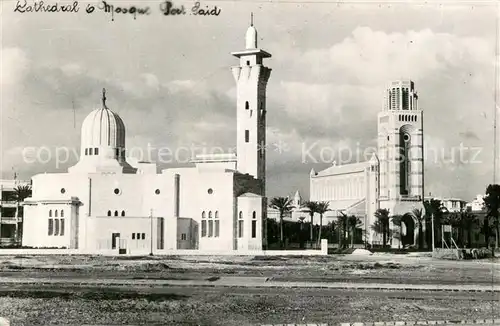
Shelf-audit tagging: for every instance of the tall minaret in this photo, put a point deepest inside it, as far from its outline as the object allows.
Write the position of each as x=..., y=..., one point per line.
x=251, y=78
x=400, y=141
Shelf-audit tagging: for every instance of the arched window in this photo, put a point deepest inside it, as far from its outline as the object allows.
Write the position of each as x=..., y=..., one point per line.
x=123, y=213
x=216, y=233
x=96, y=151
x=62, y=213
x=109, y=213
x=55, y=213
x=210, y=225
x=247, y=106
x=203, y=224
x=240, y=225
x=50, y=213
x=254, y=225
x=116, y=213
x=86, y=151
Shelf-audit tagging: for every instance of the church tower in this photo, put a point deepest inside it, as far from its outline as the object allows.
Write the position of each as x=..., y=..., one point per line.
x=400, y=147
x=251, y=78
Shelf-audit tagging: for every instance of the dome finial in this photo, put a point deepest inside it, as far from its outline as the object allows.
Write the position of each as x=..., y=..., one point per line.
x=251, y=19
x=104, y=97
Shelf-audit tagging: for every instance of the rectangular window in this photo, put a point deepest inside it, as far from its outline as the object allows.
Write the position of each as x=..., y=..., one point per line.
x=216, y=228
x=90, y=151
x=203, y=228
x=248, y=62
x=62, y=227
x=240, y=229
x=56, y=231
x=183, y=236
x=210, y=228
x=51, y=226
x=86, y=151
x=133, y=236
x=247, y=136
x=96, y=151
x=254, y=229
x=143, y=236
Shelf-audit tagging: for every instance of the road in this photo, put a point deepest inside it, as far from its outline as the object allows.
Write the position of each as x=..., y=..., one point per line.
x=143, y=302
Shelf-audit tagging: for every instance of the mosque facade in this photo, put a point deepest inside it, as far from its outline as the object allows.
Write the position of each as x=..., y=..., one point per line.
x=106, y=203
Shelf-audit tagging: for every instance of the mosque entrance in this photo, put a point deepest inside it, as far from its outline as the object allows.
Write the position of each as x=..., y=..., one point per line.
x=408, y=226
x=114, y=237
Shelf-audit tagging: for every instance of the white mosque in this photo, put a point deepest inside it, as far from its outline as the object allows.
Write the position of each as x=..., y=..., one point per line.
x=104, y=203
x=393, y=178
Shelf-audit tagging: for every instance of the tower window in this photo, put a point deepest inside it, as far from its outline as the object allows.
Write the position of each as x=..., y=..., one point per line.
x=116, y=213
x=247, y=106
x=248, y=62
x=247, y=136
x=96, y=151
x=109, y=213
x=86, y=151
x=123, y=213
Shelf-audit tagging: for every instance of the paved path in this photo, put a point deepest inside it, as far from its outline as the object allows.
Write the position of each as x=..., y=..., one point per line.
x=255, y=282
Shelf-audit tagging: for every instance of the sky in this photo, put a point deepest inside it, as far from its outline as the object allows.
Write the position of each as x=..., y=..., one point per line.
x=169, y=79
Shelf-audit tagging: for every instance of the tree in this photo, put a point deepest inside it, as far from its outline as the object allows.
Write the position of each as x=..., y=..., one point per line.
x=382, y=215
x=342, y=225
x=492, y=205
x=420, y=218
x=19, y=194
x=469, y=221
x=353, y=222
x=284, y=206
x=398, y=221
x=434, y=208
x=321, y=208
x=310, y=207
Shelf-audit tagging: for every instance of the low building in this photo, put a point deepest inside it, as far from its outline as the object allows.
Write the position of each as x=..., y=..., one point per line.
x=11, y=212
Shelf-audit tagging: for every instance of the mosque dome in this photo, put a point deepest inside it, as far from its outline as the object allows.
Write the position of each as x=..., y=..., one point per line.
x=251, y=38
x=103, y=128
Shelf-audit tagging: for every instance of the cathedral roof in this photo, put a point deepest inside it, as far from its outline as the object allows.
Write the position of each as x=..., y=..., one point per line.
x=343, y=169
x=103, y=127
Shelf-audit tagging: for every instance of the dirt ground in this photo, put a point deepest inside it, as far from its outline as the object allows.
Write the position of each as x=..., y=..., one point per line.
x=375, y=269
x=46, y=304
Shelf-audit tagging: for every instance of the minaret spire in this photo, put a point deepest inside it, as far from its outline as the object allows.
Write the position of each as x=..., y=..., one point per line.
x=251, y=19
x=104, y=97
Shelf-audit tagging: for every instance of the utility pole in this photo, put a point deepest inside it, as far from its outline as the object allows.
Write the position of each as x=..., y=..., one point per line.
x=432, y=222
x=151, y=234
x=495, y=92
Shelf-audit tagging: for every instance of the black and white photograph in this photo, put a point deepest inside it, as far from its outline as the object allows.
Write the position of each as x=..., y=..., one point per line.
x=253, y=162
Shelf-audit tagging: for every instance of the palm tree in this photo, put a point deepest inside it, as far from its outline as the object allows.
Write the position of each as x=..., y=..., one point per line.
x=492, y=204
x=398, y=221
x=353, y=222
x=420, y=218
x=19, y=194
x=382, y=215
x=434, y=208
x=284, y=206
x=310, y=207
x=469, y=221
x=455, y=220
x=321, y=208
x=342, y=227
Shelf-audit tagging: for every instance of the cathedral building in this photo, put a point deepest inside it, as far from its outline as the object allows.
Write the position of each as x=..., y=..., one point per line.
x=106, y=203
x=394, y=176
